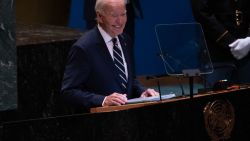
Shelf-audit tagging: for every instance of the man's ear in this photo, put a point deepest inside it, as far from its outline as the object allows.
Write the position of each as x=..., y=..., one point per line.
x=99, y=17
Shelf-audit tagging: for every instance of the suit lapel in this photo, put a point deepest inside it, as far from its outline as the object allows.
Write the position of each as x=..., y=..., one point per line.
x=105, y=53
x=109, y=60
x=107, y=57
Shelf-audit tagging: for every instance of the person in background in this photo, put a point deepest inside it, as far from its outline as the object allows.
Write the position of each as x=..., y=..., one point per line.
x=99, y=70
x=226, y=26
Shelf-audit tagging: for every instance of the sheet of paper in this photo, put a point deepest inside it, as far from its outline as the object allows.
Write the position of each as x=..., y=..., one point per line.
x=148, y=99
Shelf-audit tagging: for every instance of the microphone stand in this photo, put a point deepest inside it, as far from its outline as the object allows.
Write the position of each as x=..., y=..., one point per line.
x=181, y=86
x=159, y=88
x=163, y=56
x=158, y=83
x=190, y=73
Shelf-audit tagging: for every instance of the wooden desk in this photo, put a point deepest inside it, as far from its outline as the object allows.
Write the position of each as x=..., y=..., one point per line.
x=132, y=106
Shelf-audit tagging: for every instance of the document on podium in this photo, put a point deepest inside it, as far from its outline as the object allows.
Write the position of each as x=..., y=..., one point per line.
x=150, y=99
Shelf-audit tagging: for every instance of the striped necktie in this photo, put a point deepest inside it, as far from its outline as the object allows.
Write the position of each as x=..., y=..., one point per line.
x=119, y=63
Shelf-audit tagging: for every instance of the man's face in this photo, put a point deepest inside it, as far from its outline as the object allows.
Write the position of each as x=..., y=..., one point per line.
x=114, y=18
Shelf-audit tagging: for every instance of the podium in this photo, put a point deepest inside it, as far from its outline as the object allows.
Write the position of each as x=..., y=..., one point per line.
x=165, y=120
x=133, y=106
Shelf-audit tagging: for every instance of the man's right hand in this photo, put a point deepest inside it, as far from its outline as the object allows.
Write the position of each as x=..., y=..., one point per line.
x=115, y=99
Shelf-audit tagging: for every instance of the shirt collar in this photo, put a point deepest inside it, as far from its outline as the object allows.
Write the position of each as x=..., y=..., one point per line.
x=107, y=38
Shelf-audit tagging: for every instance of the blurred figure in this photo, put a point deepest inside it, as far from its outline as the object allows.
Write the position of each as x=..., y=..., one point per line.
x=226, y=28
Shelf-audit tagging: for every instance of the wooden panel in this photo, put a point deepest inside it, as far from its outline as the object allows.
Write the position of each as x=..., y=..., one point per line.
x=139, y=105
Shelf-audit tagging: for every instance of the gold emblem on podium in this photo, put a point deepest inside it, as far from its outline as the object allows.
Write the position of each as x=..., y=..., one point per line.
x=219, y=119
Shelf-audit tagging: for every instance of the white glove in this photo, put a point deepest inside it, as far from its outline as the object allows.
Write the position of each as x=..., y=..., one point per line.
x=240, y=47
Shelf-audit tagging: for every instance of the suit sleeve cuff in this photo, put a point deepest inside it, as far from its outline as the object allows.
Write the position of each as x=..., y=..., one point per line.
x=104, y=100
x=225, y=39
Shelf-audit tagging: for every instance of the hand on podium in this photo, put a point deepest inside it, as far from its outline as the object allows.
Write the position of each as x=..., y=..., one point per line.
x=115, y=99
x=149, y=92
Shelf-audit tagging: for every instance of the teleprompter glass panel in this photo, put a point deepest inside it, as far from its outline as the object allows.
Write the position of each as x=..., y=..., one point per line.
x=183, y=48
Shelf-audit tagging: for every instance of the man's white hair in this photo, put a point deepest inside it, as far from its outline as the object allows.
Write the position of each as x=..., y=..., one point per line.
x=100, y=4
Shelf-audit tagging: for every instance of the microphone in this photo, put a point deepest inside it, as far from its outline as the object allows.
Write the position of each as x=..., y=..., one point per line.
x=163, y=56
x=158, y=84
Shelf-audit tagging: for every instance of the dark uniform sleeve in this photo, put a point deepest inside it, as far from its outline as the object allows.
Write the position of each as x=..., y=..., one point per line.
x=213, y=28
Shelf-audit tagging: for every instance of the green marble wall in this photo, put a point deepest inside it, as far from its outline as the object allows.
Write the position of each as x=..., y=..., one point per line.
x=8, y=73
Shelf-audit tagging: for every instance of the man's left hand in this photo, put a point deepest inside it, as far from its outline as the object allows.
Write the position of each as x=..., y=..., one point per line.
x=149, y=92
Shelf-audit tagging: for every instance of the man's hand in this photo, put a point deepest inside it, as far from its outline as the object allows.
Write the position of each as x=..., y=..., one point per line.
x=149, y=92
x=115, y=99
x=240, y=48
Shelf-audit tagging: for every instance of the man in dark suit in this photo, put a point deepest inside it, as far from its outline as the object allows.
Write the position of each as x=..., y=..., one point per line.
x=226, y=26
x=92, y=76
x=133, y=11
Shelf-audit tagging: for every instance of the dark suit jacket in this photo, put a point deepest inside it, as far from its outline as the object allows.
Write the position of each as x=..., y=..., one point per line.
x=90, y=74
